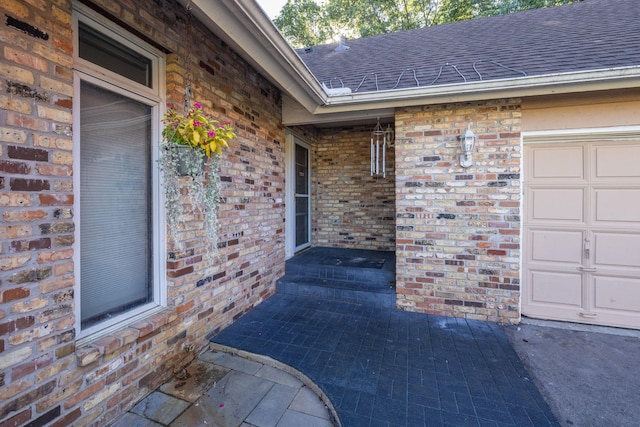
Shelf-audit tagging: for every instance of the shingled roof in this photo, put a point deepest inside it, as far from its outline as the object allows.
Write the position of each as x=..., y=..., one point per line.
x=591, y=35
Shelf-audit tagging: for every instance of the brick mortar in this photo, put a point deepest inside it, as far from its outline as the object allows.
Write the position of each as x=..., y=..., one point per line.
x=38, y=224
x=458, y=230
x=351, y=209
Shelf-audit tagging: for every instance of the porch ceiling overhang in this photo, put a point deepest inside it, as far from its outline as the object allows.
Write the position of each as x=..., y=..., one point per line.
x=245, y=27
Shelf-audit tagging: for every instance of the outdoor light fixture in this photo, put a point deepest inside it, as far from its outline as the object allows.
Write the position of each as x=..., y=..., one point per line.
x=380, y=140
x=467, y=141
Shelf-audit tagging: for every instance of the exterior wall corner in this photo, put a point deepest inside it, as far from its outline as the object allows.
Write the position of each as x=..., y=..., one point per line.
x=458, y=230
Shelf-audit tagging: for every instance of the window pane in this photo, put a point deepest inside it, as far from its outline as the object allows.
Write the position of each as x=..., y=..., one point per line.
x=109, y=54
x=302, y=170
x=115, y=204
x=302, y=220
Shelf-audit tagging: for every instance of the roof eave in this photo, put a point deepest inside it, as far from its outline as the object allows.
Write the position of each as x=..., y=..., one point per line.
x=572, y=82
x=244, y=26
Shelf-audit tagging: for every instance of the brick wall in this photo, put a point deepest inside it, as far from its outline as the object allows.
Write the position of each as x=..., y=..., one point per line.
x=45, y=377
x=458, y=230
x=351, y=209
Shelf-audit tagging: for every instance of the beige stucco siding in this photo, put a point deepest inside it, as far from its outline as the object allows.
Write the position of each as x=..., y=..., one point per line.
x=581, y=111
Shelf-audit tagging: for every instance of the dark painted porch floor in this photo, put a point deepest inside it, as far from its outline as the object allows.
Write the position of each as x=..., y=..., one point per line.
x=384, y=367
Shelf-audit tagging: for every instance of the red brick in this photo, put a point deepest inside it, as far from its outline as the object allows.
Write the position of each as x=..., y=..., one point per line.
x=56, y=199
x=26, y=122
x=17, y=324
x=20, y=184
x=15, y=294
x=84, y=394
x=185, y=307
x=7, y=166
x=17, y=420
x=68, y=419
x=24, y=245
x=107, y=345
x=26, y=153
x=181, y=272
x=26, y=399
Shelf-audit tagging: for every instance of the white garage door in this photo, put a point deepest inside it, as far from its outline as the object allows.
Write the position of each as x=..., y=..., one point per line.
x=582, y=232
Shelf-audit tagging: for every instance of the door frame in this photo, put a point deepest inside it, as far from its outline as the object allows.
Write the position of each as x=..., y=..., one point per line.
x=290, y=211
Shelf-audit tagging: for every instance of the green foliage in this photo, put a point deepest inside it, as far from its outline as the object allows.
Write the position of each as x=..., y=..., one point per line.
x=191, y=183
x=307, y=23
x=303, y=23
x=459, y=10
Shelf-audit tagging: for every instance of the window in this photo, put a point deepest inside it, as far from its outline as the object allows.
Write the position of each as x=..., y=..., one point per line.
x=116, y=121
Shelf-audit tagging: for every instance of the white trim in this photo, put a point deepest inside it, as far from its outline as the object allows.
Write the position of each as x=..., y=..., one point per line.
x=617, y=133
x=101, y=330
x=153, y=97
x=500, y=88
x=290, y=200
x=290, y=210
x=113, y=31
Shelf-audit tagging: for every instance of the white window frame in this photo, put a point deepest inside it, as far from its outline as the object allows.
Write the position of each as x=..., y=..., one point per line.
x=154, y=97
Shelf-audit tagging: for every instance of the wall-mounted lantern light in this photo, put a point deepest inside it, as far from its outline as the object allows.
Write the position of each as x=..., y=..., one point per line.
x=467, y=141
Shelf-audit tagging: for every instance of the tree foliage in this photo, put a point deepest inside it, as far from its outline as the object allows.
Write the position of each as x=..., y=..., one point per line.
x=303, y=23
x=459, y=10
x=307, y=23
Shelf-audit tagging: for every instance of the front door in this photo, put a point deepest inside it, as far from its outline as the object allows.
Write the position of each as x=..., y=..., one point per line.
x=298, y=198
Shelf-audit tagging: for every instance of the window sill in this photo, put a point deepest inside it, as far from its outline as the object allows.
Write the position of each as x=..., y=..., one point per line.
x=109, y=343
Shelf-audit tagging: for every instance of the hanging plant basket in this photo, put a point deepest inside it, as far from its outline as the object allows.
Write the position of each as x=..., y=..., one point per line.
x=189, y=162
x=191, y=149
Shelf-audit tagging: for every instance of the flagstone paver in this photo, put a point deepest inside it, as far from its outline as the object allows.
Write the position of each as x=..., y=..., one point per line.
x=227, y=390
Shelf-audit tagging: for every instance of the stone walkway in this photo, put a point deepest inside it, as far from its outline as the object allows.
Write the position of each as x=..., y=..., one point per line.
x=221, y=389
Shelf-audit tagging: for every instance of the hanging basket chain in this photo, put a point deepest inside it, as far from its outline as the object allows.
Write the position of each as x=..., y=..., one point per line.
x=188, y=36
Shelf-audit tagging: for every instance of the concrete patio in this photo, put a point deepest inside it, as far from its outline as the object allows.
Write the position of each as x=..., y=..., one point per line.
x=330, y=349
x=383, y=367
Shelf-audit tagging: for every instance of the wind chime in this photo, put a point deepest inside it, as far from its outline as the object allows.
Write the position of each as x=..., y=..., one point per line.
x=380, y=140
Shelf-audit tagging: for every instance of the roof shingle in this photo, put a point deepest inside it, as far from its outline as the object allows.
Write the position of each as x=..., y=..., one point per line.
x=590, y=35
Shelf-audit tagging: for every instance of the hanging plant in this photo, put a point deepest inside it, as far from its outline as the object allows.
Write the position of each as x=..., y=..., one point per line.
x=190, y=141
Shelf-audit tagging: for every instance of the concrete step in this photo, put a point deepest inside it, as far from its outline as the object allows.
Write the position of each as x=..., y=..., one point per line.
x=361, y=292
x=344, y=265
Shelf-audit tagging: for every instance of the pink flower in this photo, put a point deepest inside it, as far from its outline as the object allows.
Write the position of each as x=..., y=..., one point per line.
x=197, y=123
x=197, y=105
x=211, y=134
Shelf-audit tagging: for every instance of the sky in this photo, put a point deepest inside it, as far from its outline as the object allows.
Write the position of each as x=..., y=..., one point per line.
x=272, y=7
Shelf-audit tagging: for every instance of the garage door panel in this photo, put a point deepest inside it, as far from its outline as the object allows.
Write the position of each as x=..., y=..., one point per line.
x=617, y=250
x=555, y=204
x=582, y=232
x=557, y=246
x=617, y=205
x=617, y=293
x=557, y=162
x=617, y=161
x=556, y=288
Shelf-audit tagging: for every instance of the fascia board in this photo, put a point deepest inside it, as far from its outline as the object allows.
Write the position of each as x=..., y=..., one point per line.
x=582, y=81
